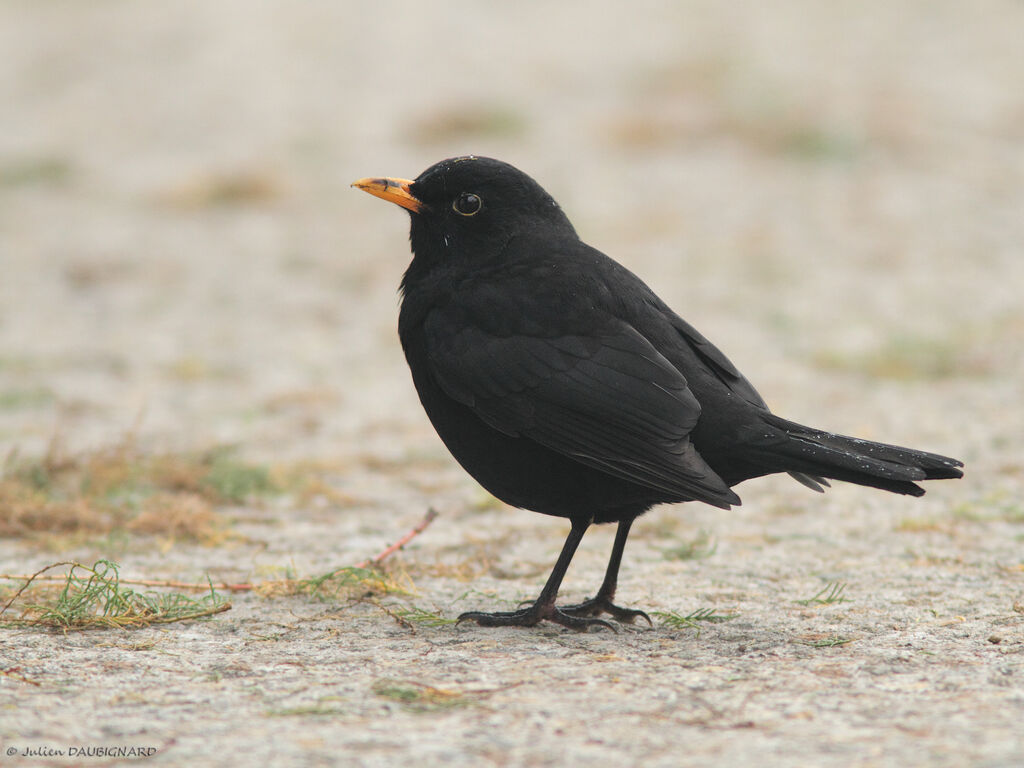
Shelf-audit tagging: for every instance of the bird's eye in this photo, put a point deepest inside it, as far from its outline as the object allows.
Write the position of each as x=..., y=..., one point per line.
x=467, y=204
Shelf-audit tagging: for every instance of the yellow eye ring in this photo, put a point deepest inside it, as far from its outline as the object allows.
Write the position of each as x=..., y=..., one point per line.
x=467, y=204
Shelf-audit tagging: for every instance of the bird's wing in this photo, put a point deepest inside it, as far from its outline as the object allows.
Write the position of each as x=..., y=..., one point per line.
x=717, y=362
x=608, y=400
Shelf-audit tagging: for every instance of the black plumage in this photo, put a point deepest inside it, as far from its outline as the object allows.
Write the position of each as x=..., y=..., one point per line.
x=564, y=385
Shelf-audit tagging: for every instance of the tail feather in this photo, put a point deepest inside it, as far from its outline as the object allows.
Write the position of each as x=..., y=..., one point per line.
x=812, y=454
x=814, y=482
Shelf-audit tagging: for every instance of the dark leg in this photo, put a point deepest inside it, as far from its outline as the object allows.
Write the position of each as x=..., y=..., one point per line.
x=544, y=606
x=602, y=601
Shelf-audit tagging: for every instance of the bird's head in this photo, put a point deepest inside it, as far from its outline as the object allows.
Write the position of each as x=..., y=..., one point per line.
x=469, y=208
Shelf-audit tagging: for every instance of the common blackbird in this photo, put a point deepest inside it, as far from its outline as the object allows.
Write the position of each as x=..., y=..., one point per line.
x=565, y=386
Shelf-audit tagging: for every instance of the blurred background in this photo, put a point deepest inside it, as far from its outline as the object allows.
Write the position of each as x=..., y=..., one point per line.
x=200, y=374
x=833, y=193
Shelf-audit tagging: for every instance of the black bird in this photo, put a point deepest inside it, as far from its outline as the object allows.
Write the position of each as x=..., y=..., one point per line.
x=564, y=385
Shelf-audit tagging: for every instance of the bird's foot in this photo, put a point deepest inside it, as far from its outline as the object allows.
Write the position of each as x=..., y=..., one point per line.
x=599, y=604
x=533, y=615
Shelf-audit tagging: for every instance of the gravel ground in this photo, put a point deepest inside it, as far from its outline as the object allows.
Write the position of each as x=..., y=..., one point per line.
x=831, y=192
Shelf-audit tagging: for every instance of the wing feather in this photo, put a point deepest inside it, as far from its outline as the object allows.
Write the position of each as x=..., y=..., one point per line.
x=610, y=401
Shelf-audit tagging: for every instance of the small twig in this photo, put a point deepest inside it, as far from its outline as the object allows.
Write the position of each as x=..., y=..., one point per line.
x=400, y=620
x=188, y=617
x=204, y=587
x=181, y=584
x=33, y=577
x=427, y=520
x=16, y=674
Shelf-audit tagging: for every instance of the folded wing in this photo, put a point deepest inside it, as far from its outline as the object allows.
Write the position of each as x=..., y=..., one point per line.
x=610, y=400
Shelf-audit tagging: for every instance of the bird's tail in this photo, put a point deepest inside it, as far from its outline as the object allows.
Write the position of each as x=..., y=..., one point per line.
x=811, y=455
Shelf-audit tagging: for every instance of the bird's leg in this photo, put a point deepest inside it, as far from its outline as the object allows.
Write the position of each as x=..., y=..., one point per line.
x=543, y=608
x=602, y=601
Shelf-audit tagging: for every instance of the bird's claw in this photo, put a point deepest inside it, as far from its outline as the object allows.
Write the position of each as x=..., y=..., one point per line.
x=595, y=606
x=529, y=617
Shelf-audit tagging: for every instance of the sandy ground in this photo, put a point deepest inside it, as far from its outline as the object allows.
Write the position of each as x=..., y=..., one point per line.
x=831, y=192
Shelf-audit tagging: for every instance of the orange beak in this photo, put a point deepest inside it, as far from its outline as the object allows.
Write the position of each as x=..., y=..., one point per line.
x=393, y=190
